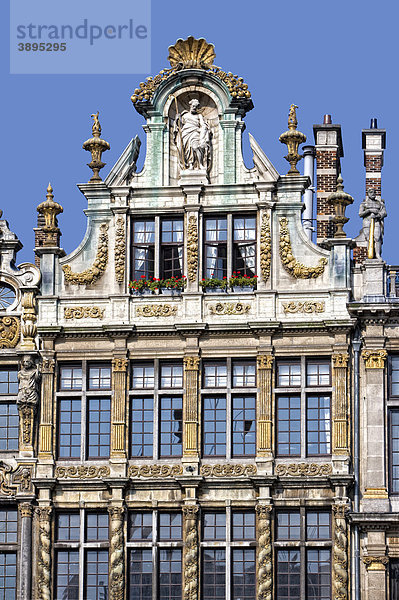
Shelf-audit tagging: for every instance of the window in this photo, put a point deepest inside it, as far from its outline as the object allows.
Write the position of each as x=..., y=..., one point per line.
x=230, y=246
x=143, y=249
x=162, y=530
x=229, y=408
x=150, y=396
x=8, y=552
x=172, y=248
x=303, y=407
x=81, y=555
x=9, y=419
x=231, y=564
x=393, y=424
x=394, y=579
x=84, y=414
x=303, y=555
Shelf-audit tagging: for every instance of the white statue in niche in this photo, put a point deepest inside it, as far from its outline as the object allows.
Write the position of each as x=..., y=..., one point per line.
x=192, y=136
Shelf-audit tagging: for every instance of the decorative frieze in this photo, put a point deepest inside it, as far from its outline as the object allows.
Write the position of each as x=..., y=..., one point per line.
x=118, y=408
x=340, y=553
x=307, y=306
x=82, y=472
x=265, y=554
x=91, y=275
x=376, y=563
x=116, y=554
x=15, y=480
x=43, y=581
x=120, y=250
x=374, y=359
x=229, y=308
x=303, y=469
x=191, y=550
x=190, y=406
x=265, y=247
x=192, y=248
x=264, y=405
x=84, y=312
x=340, y=407
x=156, y=310
x=290, y=264
x=155, y=471
x=224, y=470
x=9, y=332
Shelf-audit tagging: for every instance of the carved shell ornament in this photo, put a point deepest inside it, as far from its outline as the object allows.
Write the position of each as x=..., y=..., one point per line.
x=191, y=53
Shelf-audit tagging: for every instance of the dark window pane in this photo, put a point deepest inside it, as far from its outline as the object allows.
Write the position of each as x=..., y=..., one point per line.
x=288, y=575
x=171, y=426
x=170, y=526
x=140, y=584
x=289, y=425
x=9, y=426
x=8, y=575
x=394, y=375
x=67, y=575
x=96, y=580
x=318, y=574
x=8, y=525
x=96, y=527
x=68, y=527
x=213, y=526
x=244, y=425
x=9, y=381
x=143, y=249
x=318, y=525
x=243, y=574
x=214, y=426
x=140, y=526
x=318, y=425
x=288, y=526
x=213, y=574
x=170, y=578
x=141, y=425
x=394, y=451
x=172, y=248
x=243, y=523
x=216, y=248
x=69, y=424
x=99, y=427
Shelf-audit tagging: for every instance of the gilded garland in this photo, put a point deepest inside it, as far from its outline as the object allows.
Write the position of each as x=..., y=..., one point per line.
x=82, y=472
x=120, y=250
x=228, y=470
x=155, y=471
x=83, y=312
x=303, y=469
x=265, y=248
x=156, y=310
x=94, y=273
x=291, y=265
x=192, y=248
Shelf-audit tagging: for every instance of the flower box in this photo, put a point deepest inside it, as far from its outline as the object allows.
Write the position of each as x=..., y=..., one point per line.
x=238, y=289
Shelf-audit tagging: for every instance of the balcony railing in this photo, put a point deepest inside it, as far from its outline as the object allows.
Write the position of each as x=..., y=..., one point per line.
x=392, y=281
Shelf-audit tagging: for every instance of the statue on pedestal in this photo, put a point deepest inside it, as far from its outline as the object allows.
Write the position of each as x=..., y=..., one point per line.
x=373, y=212
x=192, y=136
x=28, y=379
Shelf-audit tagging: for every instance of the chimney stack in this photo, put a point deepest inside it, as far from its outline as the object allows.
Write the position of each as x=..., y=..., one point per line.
x=329, y=151
x=373, y=144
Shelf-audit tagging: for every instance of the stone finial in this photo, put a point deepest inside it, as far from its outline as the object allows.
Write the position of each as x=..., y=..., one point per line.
x=292, y=138
x=96, y=146
x=340, y=200
x=50, y=209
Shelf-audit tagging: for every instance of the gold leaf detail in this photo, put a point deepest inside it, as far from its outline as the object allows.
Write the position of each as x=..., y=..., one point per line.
x=82, y=472
x=374, y=359
x=84, y=312
x=192, y=248
x=96, y=271
x=9, y=332
x=229, y=308
x=304, y=307
x=265, y=248
x=120, y=250
x=155, y=471
x=291, y=265
x=303, y=469
x=228, y=470
x=156, y=310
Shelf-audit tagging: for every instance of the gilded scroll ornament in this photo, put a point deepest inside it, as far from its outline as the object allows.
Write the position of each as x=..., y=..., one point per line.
x=83, y=312
x=119, y=365
x=187, y=54
x=120, y=250
x=290, y=264
x=116, y=558
x=96, y=271
x=48, y=365
x=340, y=360
x=191, y=547
x=44, y=556
x=191, y=363
x=265, y=565
x=192, y=248
x=29, y=318
x=9, y=332
x=229, y=308
x=307, y=306
x=14, y=480
x=82, y=472
x=155, y=471
x=6, y=487
x=340, y=553
x=303, y=469
x=265, y=247
x=376, y=563
x=374, y=359
x=156, y=310
x=228, y=470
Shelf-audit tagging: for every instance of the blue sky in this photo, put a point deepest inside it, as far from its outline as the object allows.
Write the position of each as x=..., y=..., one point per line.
x=338, y=58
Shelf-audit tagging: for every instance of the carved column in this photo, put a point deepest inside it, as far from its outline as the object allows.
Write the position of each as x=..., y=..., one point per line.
x=25, y=555
x=116, y=554
x=191, y=552
x=265, y=554
x=29, y=318
x=264, y=406
x=43, y=580
x=340, y=553
x=46, y=418
x=118, y=410
x=340, y=412
x=190, y=407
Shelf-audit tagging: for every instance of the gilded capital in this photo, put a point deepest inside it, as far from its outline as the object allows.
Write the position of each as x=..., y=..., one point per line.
x=263, y=510
x=191, y=363
x=48, y=365
x=374, y=359
x=265, y=361
x=119, y=365
x=375, y=563
x=340, y=360
x=25, y=509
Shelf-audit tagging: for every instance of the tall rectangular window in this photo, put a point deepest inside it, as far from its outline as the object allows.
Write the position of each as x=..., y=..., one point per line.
x=215, y=247
x=244, y=426
x=318, y=422
x=289, y=425
x=142, y=422
x=143, y=248
x=99, y=427
x=172, y=248
x=288, y=585
x=69, y=427
x=214, y=425
x=394, y=579
x=244, y=245
x=171, y=426
x=394, y=451
x=8, y=552
x=213, y=573
x=318, y=574
x=9, y=418
x=140, y=574
x=244, y=577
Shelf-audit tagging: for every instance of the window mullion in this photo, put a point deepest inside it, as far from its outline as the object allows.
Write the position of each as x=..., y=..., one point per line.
x=303, y=409
x=83, y=413
x=82, y=565
x=157, y=249
x=157, y=413
x=229, y=246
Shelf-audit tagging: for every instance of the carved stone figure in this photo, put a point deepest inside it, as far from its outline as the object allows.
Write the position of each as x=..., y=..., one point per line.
x=373, y=212
x=28, y=378
x=192, y=137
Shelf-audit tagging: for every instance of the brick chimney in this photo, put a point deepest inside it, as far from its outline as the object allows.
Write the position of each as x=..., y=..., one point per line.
x=329, y=151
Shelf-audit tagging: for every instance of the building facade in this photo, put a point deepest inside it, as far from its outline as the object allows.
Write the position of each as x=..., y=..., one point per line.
x=200, y=402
